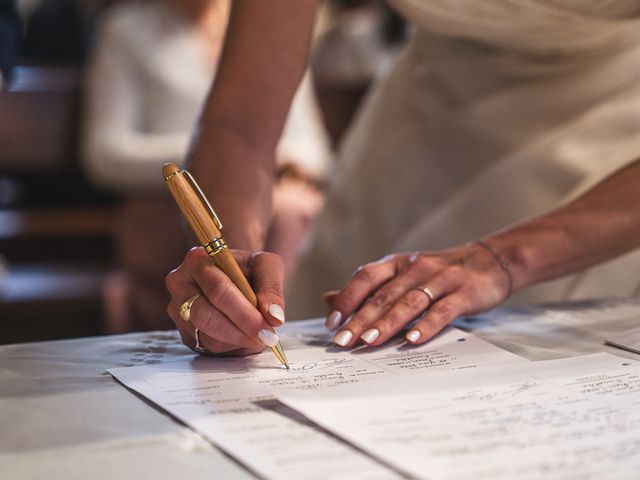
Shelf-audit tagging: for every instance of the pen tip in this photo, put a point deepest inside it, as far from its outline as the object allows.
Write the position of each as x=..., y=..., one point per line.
x=286, y=365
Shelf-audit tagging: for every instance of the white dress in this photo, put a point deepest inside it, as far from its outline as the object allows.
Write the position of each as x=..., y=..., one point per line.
x=497, y=110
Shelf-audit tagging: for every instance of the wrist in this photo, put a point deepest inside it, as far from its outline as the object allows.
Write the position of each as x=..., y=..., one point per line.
x=242, y=201
x=501, y=261
x=533, y=252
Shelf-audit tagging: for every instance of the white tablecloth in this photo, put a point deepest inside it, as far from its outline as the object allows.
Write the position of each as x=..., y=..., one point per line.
x=63, y=417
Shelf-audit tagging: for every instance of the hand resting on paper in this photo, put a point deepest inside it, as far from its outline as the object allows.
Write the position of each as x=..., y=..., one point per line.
x=383, y=297
x=227, y=323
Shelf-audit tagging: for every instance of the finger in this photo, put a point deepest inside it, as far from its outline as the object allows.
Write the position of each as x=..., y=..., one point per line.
x=203, y=315
x=215, y=348
x=211, y=345
x=229, y=300
x=242, y=352
x=365, y=280
x=409, y=306
x=198, y=272
x=334, y=318
x=373, y=309
x=440, y=314
x=399, y=302
x=213, y=323
x=178, y=282
x=267, y=274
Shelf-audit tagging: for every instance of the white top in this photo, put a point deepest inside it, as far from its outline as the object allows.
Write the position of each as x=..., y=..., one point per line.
x=495, y=111
x=146, y=84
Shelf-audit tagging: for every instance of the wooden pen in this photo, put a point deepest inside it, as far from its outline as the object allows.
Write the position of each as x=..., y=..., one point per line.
x=207, y=227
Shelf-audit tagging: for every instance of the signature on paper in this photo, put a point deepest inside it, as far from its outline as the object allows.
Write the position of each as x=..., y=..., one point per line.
x=320, y=365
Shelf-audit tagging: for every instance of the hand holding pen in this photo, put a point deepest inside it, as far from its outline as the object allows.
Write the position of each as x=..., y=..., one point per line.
x=212, y=303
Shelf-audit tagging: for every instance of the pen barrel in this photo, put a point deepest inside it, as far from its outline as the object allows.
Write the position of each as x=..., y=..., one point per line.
x=225, y=261
x=197, y=213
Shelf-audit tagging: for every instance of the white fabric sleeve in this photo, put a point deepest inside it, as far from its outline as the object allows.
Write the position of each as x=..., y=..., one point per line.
x=117, y=153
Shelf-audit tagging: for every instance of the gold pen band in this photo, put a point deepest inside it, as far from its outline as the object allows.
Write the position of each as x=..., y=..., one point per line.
x=215, y=246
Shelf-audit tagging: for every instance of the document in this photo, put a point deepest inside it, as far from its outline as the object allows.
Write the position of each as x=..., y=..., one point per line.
x=228, y=400
x=576, y=418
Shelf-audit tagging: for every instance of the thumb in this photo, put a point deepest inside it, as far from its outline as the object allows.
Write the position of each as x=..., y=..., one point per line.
x=268, y=282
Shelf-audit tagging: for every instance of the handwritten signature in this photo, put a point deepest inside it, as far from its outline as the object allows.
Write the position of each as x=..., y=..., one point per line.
x=321, y=365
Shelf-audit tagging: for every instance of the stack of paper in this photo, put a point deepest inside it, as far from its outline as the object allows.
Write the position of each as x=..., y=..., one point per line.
x=562, y=419
x=457, y=407
x=229, y=401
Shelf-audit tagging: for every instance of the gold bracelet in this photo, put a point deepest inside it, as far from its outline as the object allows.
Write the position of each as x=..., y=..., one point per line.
x=503, y=262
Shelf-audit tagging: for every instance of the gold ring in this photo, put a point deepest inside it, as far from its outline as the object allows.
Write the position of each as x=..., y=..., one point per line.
x=427, y=292
x=198, y=348
x=185, y=308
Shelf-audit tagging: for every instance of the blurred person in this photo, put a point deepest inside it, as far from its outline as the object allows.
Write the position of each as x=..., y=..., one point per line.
x=151, y=69
x=495, y=112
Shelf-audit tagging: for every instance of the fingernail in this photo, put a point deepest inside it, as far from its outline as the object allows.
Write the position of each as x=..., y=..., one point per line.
x=276, y=312
x=370, y=335
x=413, y=335
x=343, y=338
x=334, y=320
x=268, y=337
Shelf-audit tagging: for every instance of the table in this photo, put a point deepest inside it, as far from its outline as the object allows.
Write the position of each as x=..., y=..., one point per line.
x=62, y=416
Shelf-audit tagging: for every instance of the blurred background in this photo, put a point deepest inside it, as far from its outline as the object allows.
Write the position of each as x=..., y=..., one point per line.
x=90, y=89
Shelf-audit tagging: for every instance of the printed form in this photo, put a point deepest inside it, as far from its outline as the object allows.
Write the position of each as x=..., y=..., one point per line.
x=576, y=418
x=228, y=400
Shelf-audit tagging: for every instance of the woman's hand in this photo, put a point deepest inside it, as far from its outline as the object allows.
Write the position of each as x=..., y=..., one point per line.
x=227, y=323
x=383, y=297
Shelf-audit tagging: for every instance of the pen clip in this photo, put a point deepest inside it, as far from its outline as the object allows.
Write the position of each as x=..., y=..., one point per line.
x=200, y=193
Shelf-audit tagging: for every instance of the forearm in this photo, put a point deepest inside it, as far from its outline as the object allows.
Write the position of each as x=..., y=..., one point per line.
x=601, y=224
x=233, y=151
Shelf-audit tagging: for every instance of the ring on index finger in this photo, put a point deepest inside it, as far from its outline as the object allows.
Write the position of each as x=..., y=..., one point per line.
x=427, y=292
x=185, y=307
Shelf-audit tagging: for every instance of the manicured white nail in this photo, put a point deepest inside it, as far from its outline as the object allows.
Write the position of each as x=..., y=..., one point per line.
x=370, y=335
x=276, y=312
x=333, y=320
x=343, y=338
x=268, y=337
x=413, y=335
